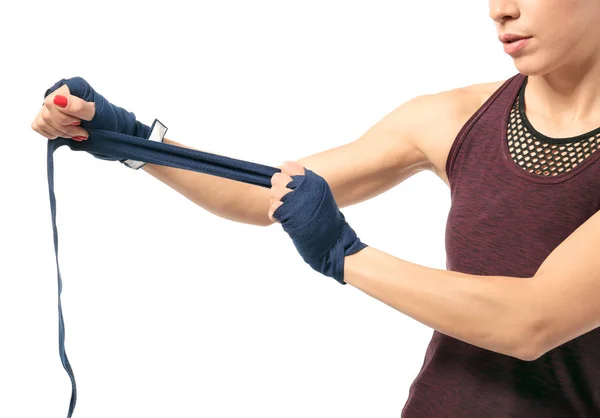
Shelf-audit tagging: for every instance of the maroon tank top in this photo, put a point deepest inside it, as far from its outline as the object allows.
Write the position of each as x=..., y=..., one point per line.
x=505, y=220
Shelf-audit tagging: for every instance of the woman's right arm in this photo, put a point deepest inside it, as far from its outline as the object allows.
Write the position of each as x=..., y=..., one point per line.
x=411, y=138
x=384, y=156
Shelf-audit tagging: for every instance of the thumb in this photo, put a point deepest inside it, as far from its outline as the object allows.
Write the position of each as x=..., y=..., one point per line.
x=70, y=105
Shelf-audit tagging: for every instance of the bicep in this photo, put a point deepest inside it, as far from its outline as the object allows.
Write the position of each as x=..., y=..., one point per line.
x=381, y=158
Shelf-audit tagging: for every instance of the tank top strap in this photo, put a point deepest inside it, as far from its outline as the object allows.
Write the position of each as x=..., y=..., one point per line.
x=494, y=111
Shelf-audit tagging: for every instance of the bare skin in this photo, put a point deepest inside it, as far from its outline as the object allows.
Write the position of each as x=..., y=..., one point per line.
x=562, y=99
x=400, y=145
x=562, y=60
x=497, y=312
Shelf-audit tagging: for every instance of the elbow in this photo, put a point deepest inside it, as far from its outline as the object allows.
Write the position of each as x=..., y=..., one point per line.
x=530, y=341
x=527, y=353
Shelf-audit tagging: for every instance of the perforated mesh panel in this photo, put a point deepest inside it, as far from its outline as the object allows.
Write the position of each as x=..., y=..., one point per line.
x=541, y=157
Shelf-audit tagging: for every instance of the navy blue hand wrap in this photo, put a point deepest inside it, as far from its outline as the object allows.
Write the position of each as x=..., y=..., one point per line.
x=106, y=117
x=323, y=239
x=312, y=219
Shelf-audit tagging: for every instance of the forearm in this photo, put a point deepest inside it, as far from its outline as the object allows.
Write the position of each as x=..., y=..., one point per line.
x=359, y=170
x=486, y=311
x=351, y=175
x=229, y=199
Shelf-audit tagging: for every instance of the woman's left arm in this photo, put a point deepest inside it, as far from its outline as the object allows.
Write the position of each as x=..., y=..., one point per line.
x=523, y=317
x=491, y=312
x=520, y=317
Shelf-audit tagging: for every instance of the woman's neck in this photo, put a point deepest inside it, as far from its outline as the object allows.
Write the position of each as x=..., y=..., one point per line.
x=566, y=96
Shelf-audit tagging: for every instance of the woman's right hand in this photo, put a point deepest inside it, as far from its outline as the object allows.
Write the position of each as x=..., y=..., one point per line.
x=61, y=118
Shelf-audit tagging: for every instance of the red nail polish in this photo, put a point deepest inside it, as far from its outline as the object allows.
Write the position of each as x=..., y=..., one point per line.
x=60, y=100
x=76, y=123
x=80, y=138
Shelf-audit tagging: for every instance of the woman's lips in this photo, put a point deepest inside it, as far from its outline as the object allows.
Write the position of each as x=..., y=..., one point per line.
x=516, y=46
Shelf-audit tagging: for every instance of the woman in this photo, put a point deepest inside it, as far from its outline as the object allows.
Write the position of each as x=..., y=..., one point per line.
x=516, y=312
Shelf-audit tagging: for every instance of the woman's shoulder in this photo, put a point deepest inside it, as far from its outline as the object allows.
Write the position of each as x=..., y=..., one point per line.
x=479, y=93
x=454, y=108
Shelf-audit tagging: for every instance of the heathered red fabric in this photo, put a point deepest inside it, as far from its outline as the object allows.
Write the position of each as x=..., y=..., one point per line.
x=505, y=221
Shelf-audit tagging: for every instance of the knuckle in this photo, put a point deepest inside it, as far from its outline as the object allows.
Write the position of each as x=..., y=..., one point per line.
x=45, y=116
x=51, y=130
x=64, y=89
x=49, y=100
x=39, y=131
x=76, y=106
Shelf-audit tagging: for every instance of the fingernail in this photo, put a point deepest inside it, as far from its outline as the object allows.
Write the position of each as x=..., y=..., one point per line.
x=76, y=123
x=60, y=100
x=79, y=137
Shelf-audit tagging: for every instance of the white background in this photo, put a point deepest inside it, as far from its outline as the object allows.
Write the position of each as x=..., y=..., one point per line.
x=171, y=311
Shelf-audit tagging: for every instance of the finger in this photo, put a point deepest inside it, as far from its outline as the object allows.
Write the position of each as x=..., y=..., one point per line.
x=277, y=193
x=274, y=207
x=47, y=134
x=74, y=105
x=59, y=117
x=292, y=168
x=280, y=179
x=48, y=122
x=40, y=131
x=45, y=126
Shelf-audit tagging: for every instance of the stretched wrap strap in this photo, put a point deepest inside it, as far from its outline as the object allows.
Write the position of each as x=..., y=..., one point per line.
x=120, y=146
